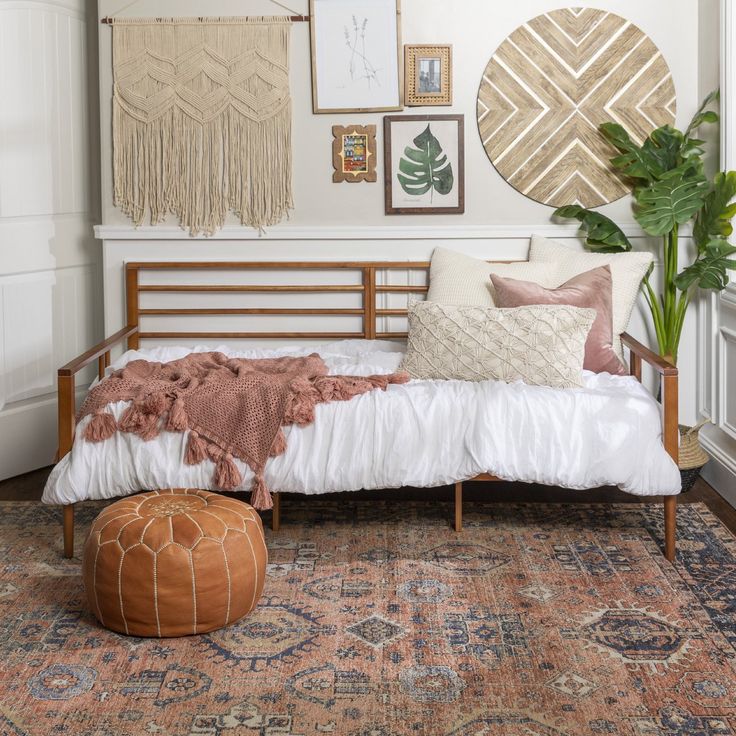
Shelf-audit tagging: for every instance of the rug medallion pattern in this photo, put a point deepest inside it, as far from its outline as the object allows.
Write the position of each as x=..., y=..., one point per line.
x=378, y=620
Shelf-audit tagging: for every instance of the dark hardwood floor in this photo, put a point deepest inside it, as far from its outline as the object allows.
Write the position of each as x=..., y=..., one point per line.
x=29, y=487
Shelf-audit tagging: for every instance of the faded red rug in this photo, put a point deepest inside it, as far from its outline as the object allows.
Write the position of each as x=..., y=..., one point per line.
x=379, y=620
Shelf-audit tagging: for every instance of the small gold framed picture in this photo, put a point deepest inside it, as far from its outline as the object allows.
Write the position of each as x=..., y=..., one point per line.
x=354, y=153
x=428, y=75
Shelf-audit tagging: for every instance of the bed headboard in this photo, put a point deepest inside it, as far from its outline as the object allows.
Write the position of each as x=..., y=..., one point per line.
x=369, y=283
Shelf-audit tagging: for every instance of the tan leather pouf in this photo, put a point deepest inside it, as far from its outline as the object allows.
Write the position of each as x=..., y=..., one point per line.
x=173, y=563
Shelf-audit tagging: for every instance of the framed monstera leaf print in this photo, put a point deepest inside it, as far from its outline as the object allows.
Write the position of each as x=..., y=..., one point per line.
x=424, y=164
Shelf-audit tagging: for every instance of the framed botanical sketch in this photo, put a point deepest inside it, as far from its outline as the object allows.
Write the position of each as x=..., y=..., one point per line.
x=424, y=158
x=356, y=55
x=428, y=75
x=354, y=153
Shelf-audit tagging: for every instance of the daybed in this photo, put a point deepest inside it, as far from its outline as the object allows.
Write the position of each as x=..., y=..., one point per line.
x=424, y=433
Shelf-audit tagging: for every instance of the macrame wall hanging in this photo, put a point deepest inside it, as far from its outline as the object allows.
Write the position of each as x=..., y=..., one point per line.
x=202, y=120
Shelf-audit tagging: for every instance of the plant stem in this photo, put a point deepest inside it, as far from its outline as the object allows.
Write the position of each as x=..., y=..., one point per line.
x=672, y=307
x=657, y=315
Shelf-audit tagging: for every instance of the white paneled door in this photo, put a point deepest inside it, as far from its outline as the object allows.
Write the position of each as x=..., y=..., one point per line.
x=718, y=327
x=48, y=263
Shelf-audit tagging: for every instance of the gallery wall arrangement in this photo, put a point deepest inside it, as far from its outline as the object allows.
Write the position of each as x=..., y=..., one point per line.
x=202, y=111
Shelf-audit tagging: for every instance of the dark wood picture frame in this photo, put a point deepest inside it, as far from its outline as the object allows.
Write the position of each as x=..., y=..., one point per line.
x=340, y=173
x=388, y=121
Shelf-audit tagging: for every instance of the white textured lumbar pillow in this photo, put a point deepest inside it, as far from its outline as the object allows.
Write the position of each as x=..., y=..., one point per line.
x=539, y=345
x=627, y=271
x=455, y=278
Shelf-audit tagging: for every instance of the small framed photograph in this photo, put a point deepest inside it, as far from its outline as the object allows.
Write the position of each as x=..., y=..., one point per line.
x=354, y=153
x=356, y=55
x=428, y=75
x=424, y=159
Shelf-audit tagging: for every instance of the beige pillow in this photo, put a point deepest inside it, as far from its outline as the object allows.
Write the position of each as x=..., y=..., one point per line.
x=455, y=278
x=541, y=345
x=627, y=271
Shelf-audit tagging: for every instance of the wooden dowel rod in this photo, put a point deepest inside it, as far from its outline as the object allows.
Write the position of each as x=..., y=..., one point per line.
x=108, y=20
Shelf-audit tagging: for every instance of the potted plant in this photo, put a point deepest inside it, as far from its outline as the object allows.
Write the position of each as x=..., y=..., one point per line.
x=670, y=189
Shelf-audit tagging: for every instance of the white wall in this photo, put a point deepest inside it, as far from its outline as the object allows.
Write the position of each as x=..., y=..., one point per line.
x=50, y=292
x=498, y=219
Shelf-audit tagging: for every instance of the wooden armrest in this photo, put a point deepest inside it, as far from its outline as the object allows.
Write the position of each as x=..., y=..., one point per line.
x=76, y=365
x=669, y=390
x=662, y=366
x=66, y=388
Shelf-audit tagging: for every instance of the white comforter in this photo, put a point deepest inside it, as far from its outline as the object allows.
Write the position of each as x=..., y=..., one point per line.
x=424, y=433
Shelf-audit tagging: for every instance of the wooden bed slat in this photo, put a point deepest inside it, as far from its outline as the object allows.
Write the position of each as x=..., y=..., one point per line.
x=253, y=335
x=254, y=288
x=253, y=311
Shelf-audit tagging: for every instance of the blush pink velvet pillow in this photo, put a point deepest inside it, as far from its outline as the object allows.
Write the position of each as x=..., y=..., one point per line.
x=591, y=289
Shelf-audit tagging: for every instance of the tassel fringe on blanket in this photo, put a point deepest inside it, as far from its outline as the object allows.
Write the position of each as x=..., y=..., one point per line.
x=202, y=120
x=230, y=407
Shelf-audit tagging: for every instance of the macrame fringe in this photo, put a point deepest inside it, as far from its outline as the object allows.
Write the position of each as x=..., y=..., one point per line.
x=260, y=497
x=200, y=165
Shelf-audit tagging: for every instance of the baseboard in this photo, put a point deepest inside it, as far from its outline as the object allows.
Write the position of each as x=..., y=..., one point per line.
x=720, y=472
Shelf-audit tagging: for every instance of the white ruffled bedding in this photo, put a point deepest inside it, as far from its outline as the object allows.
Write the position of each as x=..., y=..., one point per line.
x=424, y=433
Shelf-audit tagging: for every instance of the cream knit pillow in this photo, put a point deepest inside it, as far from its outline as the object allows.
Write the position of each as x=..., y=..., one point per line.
x=455, y=278
x=627, y=271
x=540, y=345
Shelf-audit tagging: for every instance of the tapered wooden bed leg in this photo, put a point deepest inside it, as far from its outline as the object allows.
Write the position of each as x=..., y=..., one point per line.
x=69, y=531
x=670, y=526
x=276, y=512
x=458, y=507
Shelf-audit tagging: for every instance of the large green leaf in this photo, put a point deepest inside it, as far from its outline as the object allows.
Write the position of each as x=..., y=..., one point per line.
x=703, y=115
x=673, y=200
x=634, y=161
x=425, y=167
x=714, y=219
x=602, y=234
x=710, y=271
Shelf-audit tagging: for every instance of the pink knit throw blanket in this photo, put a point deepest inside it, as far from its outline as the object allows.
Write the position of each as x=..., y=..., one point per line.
x=233, y=407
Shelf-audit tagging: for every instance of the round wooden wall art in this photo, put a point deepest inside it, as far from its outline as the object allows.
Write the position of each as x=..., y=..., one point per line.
x=548, y=87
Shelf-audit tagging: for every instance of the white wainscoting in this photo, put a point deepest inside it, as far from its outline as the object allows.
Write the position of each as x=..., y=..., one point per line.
x=125, y=244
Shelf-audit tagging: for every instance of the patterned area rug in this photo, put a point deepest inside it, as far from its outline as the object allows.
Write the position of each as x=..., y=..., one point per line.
x=379, y=620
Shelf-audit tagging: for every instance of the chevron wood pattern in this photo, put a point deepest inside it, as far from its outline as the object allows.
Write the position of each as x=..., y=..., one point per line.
x=548, y=87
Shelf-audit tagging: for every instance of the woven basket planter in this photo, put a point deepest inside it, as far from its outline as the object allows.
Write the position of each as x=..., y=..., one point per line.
x=692, y=455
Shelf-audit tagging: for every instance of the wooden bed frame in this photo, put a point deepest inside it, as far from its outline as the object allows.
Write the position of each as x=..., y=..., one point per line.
x=367, y=275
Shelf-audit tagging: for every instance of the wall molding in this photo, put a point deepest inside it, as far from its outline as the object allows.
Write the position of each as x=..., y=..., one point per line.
x=399, y=232
x=728, y=296
x=74, y=8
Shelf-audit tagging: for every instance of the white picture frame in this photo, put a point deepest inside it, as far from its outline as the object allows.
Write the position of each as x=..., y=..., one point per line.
x=356, y=56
